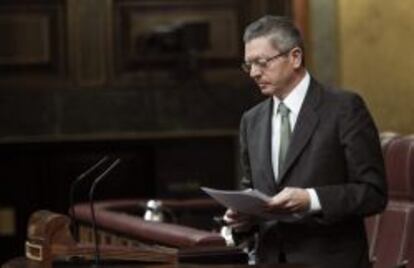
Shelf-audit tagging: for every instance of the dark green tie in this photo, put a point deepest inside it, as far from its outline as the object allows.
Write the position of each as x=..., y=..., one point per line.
x=284, y=133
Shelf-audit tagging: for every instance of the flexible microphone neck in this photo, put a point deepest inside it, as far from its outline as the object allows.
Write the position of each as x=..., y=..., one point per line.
x=73, y=221
x=91, y=203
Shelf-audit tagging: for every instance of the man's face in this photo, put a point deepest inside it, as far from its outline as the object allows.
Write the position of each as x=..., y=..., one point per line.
x=275, y=75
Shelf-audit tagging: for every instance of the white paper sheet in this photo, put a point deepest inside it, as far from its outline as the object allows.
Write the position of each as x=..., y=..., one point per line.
x=249, y=201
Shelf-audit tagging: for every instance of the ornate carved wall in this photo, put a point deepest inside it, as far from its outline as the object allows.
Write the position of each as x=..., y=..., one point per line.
x=68, y=66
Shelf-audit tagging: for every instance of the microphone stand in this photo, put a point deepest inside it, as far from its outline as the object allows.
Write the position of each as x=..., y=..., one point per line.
x=74, y=228
x=91, y=203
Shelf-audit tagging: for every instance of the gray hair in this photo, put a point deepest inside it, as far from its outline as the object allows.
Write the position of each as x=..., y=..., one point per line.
x=281, y=31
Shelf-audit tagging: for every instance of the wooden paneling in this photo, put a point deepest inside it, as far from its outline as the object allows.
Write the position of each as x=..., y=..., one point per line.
x=32, y=50
x=88, y=22
x=32, y=29
x=102, y=43
x=135, y=21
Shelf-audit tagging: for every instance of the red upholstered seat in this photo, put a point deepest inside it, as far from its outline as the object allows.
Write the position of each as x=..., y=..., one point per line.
x=386, y=138
x=372, y=222
x=394, y=237
x=391, y=234
x=371, y=226
x=399, y=163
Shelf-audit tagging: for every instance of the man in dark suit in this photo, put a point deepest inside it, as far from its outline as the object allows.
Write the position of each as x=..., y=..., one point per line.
x=315, y=150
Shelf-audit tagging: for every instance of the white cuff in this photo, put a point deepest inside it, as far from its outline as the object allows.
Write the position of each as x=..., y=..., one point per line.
x=315, y=205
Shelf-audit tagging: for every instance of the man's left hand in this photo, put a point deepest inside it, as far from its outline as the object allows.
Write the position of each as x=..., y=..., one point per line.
x=289, y=200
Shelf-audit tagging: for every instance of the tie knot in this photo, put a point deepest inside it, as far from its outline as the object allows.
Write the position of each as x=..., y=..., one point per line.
x=282, y=109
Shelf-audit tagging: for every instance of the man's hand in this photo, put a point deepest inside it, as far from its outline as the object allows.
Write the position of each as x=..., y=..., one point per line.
x=239, y=222
x=289, y=200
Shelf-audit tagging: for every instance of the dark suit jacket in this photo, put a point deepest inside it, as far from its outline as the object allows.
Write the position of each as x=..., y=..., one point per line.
x=334, y=149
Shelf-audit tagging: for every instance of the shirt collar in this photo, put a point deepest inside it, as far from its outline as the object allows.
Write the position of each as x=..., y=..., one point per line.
x=295, y=98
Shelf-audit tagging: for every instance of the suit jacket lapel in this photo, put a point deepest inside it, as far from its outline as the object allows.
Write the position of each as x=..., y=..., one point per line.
x=304, y=128
x=264, y=146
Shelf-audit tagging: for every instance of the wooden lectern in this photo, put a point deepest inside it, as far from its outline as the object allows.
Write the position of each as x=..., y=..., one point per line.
x=120, y=222
x=123, y=236
x=127, y=241
x=49, y=240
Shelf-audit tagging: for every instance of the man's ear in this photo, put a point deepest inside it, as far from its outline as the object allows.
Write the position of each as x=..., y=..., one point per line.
x=297, y=57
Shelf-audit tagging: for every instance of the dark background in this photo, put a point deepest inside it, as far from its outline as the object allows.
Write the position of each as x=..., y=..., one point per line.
x=84, y=79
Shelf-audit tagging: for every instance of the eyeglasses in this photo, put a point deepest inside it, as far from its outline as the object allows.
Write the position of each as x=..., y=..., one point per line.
x=262, y=63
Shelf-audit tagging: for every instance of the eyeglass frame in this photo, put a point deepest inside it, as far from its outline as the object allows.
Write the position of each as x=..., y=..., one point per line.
x=262, y=63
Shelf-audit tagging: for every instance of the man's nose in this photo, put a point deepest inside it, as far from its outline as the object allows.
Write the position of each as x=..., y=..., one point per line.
x=255, y=71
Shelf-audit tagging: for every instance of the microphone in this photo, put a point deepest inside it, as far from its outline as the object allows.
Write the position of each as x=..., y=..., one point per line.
x=73, y=221
x=91, y=203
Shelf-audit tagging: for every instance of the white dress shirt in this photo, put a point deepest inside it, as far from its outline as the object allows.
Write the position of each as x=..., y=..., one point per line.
x=293, y=101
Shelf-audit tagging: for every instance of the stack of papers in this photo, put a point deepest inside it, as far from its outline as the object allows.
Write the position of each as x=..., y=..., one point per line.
x=249, y=201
